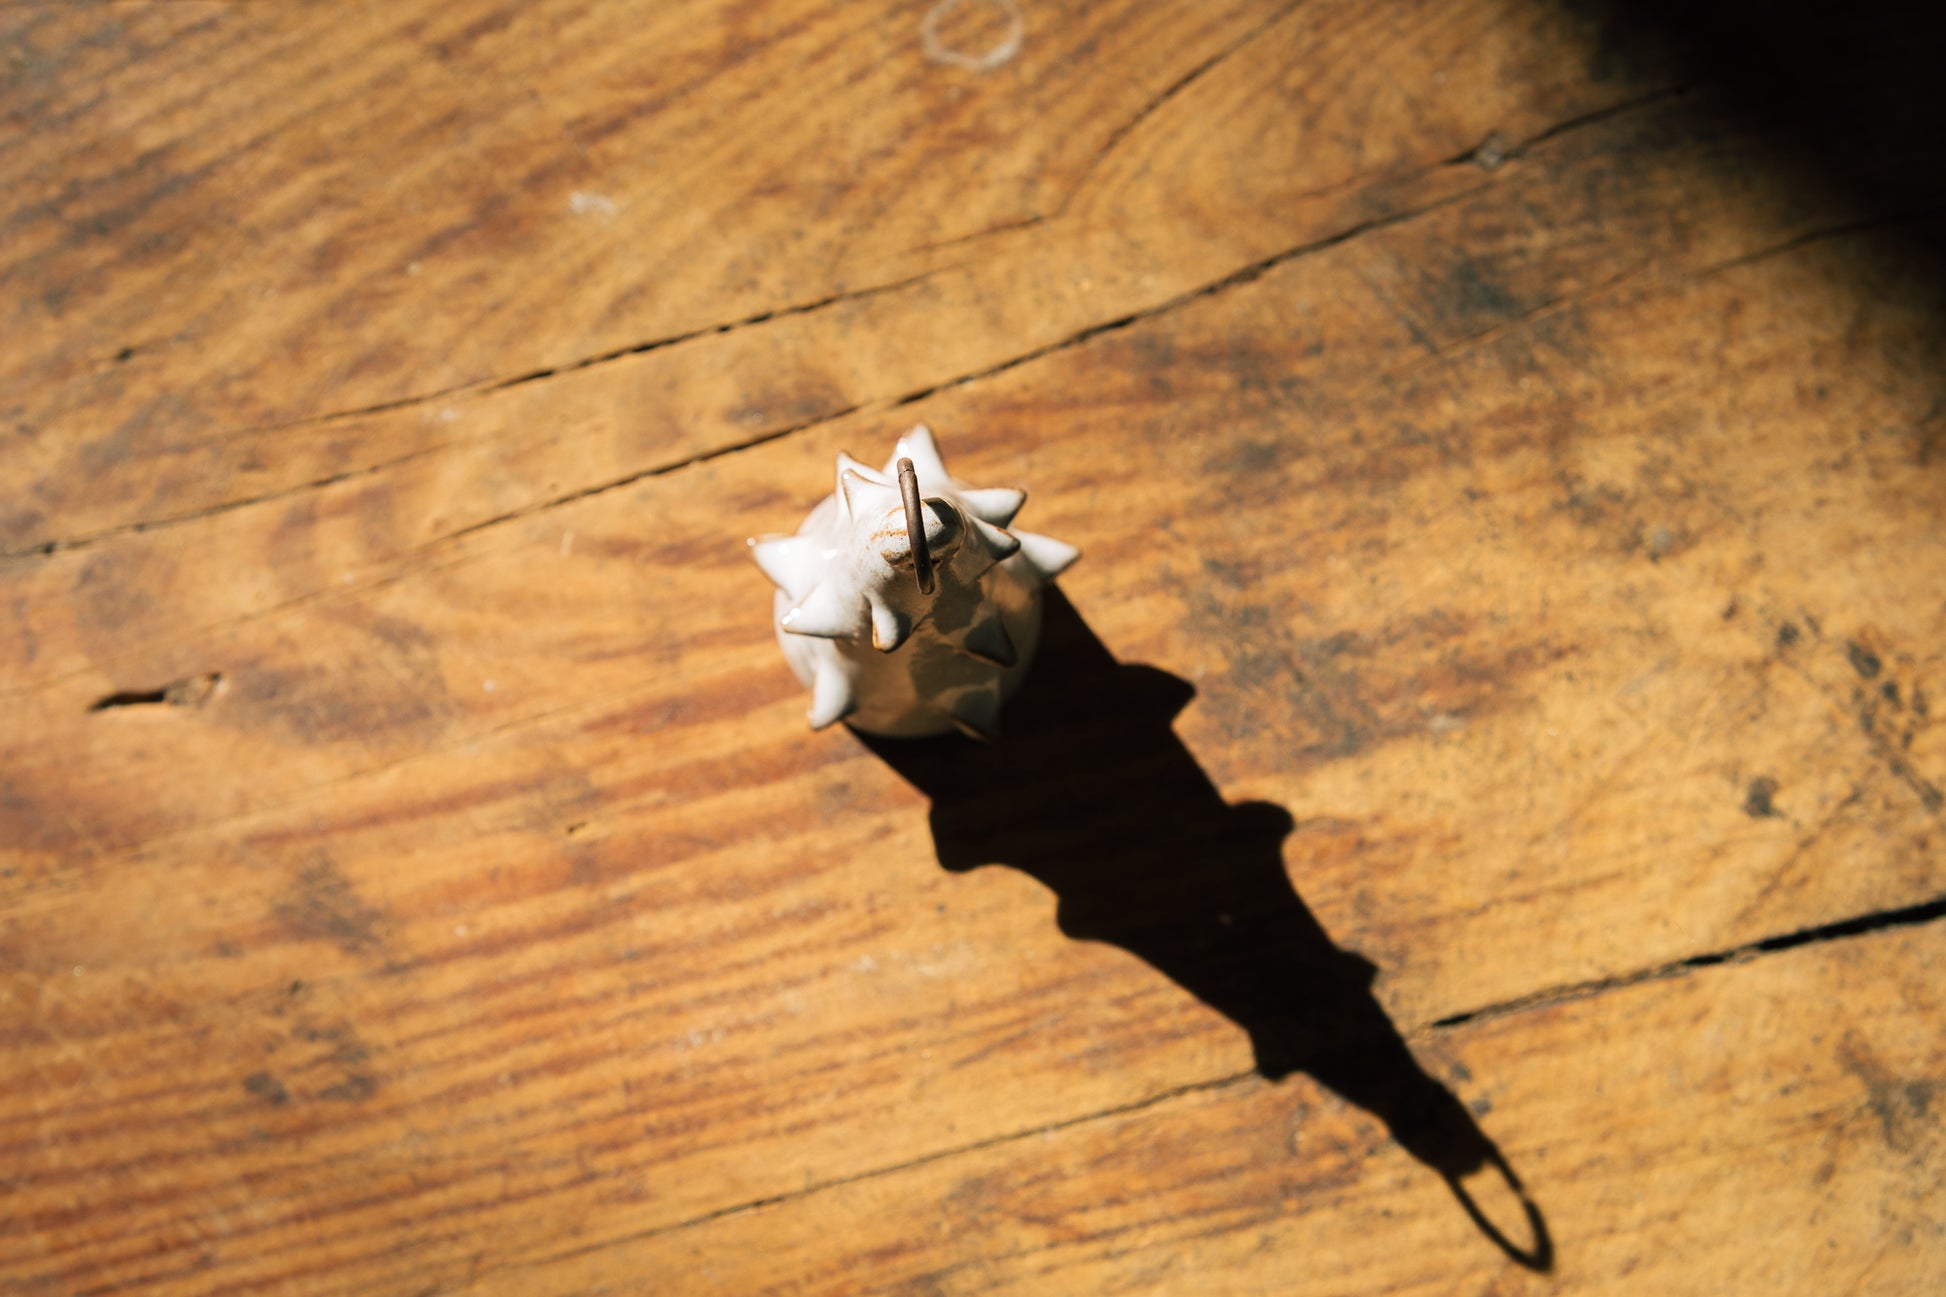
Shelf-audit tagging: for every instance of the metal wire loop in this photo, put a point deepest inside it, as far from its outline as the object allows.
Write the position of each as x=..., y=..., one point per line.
x=915, y=525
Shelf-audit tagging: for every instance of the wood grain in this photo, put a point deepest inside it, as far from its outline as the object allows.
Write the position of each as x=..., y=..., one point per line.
x=1786, y=1100
x=1511, y=583
x=338, y=287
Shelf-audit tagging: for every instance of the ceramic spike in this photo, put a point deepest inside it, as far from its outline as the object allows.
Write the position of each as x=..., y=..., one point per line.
x=906, y=640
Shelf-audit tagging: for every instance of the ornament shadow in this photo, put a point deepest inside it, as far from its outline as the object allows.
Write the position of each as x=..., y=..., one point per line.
x=1091, y=792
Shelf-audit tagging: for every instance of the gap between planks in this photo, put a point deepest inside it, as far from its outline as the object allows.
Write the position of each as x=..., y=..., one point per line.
x=1841, y=930
x=1233, y=279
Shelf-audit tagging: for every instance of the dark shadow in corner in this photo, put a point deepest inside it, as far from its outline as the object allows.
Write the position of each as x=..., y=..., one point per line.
x=1091, y=792
x=1851, y=93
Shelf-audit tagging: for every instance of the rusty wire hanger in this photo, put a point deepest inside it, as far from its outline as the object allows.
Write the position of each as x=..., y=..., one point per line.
x=915, y=525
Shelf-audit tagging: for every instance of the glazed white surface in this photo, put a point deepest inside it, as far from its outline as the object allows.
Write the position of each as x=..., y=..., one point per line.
x=875, y=651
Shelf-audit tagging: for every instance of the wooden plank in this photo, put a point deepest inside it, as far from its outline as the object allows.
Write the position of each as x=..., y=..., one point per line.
x=1763, y=1126
x=1553, y=551
x=211, y=275
x=374, y=699
x=442, y=975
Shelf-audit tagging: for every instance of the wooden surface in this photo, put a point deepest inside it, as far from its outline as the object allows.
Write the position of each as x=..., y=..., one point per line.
x=1490, y=752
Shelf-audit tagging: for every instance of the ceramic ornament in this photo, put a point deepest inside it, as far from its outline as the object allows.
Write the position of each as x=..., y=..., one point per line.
x=906, y=639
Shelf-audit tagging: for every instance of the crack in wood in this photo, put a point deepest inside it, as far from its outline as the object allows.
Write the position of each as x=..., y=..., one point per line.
x=48, y=548
x=660, y=470
x=1857, y=926
x=1864, y=225
x=1247, y=274
x=191, y=692
x=1257, y=269
x=1445, y=353
x=1486, y=337
x=837, y=1182
x=1861, y=925
x=1233, y=279
x=469, y=391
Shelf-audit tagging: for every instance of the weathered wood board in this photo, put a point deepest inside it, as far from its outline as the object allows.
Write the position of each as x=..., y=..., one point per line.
x=1514, y=571
x=662, y=174
x=1653, y=1123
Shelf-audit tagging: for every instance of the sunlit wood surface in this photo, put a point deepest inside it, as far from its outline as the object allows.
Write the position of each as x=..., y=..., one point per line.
x=1489, y=754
